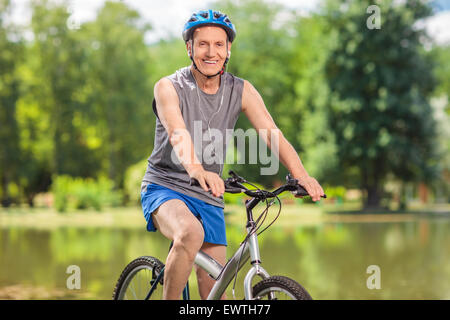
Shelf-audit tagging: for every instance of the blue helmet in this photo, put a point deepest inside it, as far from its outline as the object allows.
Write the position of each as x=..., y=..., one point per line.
x=209, y=18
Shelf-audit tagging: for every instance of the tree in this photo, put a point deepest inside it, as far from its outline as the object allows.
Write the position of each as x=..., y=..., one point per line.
x=441, y=105
x=260, y=54
x=380, y=83
x=308, y=115
x=119, y=86
x=60, y=71
x=11, y=51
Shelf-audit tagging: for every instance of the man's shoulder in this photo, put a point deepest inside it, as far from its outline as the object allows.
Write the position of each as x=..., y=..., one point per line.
x=244, y=83
x=181, y=78
x=182, y=72
x=178, y=79
x=163, y=84
x=232, y=79
x=164, y=87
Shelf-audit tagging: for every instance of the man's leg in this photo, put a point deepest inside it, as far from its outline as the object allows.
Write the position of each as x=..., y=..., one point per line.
x=205, y=282
x=176, y=222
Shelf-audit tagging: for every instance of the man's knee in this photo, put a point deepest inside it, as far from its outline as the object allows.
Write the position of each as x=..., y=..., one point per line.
x=174, y=219
x=190, y=239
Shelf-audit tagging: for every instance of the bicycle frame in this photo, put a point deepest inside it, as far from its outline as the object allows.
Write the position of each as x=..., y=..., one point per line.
x=225, y=274
x=248, y=249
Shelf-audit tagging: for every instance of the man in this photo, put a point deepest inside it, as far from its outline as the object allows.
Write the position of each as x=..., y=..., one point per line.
x=202, y=94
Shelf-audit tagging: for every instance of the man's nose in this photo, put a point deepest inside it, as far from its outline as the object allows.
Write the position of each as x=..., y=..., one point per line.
x=211, y=51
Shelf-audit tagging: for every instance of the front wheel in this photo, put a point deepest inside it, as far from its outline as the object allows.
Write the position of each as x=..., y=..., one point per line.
x=140, y=280
x=279, y=288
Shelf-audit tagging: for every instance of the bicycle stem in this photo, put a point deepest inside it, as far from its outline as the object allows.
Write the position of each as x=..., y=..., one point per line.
x=249, y=205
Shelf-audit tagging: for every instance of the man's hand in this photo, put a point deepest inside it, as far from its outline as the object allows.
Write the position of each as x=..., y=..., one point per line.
x=209, y=181
x=311, y=186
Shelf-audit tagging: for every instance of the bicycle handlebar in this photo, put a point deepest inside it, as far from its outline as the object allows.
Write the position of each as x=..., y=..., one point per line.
x=234, y=184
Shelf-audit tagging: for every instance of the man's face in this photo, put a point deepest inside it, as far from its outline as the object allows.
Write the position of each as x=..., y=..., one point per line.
x=210, y=49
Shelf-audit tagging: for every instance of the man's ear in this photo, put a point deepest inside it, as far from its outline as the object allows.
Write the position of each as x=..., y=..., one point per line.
x=189, y=48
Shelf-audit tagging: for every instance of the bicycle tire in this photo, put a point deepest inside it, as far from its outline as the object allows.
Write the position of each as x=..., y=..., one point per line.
x=151, y=264
x=282, y=284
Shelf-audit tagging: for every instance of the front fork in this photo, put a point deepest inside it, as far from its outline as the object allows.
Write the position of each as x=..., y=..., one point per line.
x=255, y=260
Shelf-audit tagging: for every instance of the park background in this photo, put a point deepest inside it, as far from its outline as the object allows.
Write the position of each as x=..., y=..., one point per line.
x=366, y=108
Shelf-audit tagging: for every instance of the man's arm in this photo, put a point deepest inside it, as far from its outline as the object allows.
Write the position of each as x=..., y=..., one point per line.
x=254, y=108
x=168, y=108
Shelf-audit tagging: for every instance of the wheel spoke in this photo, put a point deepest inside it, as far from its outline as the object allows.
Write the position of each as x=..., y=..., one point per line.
x=273, y=292
x=136, y=280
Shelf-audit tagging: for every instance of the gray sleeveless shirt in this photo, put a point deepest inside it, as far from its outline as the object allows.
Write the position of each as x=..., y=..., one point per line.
x=200, y=110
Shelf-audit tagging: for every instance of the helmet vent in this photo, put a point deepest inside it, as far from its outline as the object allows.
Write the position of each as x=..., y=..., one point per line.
x=211, y=18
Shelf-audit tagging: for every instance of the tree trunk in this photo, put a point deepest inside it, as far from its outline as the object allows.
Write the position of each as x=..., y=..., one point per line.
x=6, y=200
x=373, y=198
x=372, y=188
x=30, y=200
x=402, y=198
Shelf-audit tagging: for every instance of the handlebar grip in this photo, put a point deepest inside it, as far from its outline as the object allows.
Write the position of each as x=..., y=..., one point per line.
x=194, y=182
x=234, y=190
x=302, y=192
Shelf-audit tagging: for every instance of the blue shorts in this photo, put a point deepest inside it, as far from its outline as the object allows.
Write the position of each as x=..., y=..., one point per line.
x=210, y=216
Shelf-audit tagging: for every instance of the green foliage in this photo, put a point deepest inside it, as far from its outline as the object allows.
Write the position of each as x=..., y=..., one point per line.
x=79, y=193
x=381, y=83
x=75, y=115
x=119, y=88
x=61, y=192
x=441, y=105
x=233, y=198
x=261, y=55
x=133, y=180
x=353, y=102
x=11, y=55
x=308, y=117
x=441, y=55
x=337, y=192
x=172, y=52
x=60, y=66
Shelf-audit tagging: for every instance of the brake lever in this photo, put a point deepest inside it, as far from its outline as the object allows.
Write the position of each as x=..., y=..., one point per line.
x=291, y=181
x=235, y=177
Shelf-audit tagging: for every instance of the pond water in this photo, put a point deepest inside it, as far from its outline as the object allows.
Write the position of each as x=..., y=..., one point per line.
x=331, y=260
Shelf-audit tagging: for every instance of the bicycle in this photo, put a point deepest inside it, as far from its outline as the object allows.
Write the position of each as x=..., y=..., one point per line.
x=152, y=269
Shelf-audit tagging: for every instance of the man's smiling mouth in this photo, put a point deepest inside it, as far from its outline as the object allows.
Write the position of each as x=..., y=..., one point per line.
x=211, y=62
